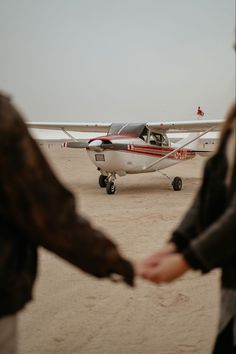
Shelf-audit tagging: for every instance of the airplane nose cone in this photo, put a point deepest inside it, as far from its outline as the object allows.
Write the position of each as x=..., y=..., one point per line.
x=96, y=145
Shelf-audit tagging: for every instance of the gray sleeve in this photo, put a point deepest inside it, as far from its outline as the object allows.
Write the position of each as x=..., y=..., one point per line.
x=217, y=244
x=187, y=229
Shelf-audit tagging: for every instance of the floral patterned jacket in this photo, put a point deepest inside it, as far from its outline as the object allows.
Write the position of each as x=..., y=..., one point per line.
x=37, y=210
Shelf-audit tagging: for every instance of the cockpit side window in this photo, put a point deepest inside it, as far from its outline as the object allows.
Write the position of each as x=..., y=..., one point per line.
x=158, y=139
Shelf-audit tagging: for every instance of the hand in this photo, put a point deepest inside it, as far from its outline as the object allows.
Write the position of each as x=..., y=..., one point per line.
x=168, y=269
x=155, y=258
x=115, y=266
x=122, y=270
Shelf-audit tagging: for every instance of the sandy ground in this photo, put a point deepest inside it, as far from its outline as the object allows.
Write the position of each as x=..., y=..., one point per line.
x=76, y=313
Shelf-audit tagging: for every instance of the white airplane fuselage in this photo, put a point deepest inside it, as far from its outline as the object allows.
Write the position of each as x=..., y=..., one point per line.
x=138, y=155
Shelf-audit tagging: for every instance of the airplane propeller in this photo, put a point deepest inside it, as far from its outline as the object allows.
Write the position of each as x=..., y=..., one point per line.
x=76, y=144
x=95, y=145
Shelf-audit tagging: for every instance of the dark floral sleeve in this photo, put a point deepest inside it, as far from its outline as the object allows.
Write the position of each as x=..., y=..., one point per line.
x=44, y=208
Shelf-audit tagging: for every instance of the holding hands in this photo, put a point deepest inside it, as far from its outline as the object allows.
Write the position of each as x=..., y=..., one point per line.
x=163, y=266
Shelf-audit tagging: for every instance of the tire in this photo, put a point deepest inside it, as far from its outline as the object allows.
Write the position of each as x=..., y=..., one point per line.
x=177, y=184
x=102, y=181
x=110, y=188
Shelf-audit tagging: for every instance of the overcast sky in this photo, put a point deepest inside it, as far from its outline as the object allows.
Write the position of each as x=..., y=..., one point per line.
x=126, y=60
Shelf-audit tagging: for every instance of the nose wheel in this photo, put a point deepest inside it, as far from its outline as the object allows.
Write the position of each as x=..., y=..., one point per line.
x=111, y=188
x=102, y=181
x=177, y=184
x=108, y=182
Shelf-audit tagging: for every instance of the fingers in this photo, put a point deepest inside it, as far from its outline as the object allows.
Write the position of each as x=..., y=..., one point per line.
x=153, y=274
x=155, y=258
x=168, y=269
x=123, y=270
x=157, y=274
x=163, y=266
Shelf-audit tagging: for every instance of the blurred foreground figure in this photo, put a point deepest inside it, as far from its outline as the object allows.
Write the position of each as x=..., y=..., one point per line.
x=36, y=210
x=206, y=237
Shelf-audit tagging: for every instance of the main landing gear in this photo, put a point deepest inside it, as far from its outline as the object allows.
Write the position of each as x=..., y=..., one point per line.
x=108, y=182
x=176, y=182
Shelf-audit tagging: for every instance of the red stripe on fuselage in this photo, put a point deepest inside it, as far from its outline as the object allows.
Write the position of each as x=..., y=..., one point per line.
x=160, y=151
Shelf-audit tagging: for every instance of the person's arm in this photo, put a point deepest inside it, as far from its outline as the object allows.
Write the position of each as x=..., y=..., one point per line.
x=187, y=229
x=216, y=246
x=213, y=248
x=41, y=206
x=178, y=242
x=180, y=239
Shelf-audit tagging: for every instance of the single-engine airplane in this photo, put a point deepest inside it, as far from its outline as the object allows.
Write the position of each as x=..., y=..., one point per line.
x=129, y=148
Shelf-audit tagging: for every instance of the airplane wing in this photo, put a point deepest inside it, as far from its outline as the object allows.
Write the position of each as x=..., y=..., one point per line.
x=78, y=127
x=186, y=126
x=181, y=126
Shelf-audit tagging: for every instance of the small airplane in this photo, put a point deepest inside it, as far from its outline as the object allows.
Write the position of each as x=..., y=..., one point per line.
x=131, y=148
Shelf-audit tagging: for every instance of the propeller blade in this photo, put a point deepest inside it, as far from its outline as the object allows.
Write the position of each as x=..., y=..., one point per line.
x=99, y=145
x=76, y=144
x=114, y=146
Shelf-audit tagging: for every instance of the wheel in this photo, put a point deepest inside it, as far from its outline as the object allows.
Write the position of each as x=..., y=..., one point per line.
x=102, y=181
x=110, y=188
x=177, y=184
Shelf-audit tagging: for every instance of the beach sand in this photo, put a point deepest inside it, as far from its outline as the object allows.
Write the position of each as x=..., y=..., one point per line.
x=73, y=312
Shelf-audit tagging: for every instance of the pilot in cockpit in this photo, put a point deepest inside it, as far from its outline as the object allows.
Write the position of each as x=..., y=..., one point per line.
x=155, y=139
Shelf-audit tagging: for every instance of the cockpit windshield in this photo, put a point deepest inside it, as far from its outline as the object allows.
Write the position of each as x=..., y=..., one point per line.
x=139, y=130
x=126, y=128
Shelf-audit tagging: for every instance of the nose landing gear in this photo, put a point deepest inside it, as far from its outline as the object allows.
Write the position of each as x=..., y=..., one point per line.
x=111, y=188
x=102, y=181
x=108, y=182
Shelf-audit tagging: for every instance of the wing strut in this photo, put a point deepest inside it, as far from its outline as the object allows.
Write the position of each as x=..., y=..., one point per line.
x=76, y=143
x=177, y=149
x=68, y=134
